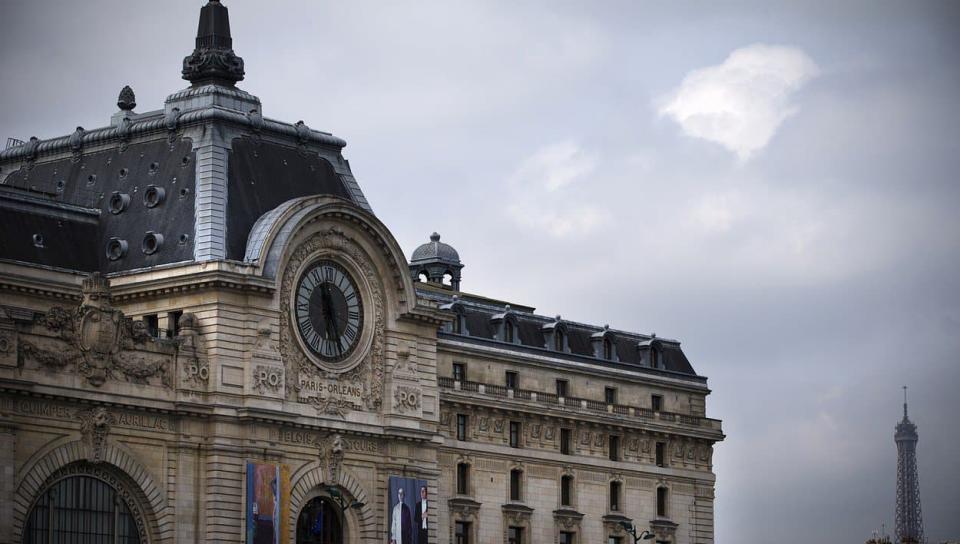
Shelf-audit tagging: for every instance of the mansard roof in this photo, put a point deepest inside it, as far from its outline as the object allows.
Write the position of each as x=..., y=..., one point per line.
x=481, y=314
x=183, y=183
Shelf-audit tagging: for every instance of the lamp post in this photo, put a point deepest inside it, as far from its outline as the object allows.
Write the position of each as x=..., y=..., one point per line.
x=338, y=497
x=632, y=531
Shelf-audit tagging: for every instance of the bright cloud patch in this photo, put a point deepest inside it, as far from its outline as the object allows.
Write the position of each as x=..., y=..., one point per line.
x=741, y=103
x=543, y=191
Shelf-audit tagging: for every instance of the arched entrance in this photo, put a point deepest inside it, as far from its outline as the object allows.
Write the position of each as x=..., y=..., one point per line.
x=320, y=522
x=80, y=508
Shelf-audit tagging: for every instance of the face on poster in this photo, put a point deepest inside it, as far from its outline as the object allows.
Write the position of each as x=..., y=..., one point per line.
x=265, y=506
x=408, y=510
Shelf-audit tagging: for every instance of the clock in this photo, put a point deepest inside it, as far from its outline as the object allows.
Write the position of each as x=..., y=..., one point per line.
x=328, y=310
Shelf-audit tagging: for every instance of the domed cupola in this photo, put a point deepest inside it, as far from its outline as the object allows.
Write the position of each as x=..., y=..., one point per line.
x=436, y=260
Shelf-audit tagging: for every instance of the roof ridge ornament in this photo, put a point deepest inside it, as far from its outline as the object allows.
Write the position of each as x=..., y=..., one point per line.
x=213, y=60
x=126, y=101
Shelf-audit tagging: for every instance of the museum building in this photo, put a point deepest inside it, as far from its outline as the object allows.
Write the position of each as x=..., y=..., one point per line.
x=207, y=335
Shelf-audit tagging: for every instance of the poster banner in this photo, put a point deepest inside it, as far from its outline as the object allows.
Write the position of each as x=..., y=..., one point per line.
x=267, y=503
x=407, y=511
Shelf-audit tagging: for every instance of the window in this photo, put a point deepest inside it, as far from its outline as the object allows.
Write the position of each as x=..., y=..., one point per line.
x=654, y=358
x=614, y=496
x=607, y=349
x=515, y=535
x=614, y=447
x=514, y=434
x=662, y=502
x=566, y=537
x=459, y=372
x=81, y=509
x=565, y=441
x=656, y=402
x=457, y=324
x=463, y=477
x=461, y=532
x=566, y=488
x=511, y=380
x=173, y=323
x=153, y=325
x=610, y=395
x=516, y=479
x=558, y=341
x=615, y=540
x=561, y=388
x=508, y=332
x=461, y=427
x=660, y=448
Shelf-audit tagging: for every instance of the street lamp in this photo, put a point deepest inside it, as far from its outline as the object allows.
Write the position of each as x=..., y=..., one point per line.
x=632, y=531
x=337, y=496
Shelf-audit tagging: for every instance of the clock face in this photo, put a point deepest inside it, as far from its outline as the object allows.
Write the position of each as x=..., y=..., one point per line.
x=328, y=310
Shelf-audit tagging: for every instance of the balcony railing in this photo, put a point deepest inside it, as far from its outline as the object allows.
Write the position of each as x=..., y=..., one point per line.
x=574, y=403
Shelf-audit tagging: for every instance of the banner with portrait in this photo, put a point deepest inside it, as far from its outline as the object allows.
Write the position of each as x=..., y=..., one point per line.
x=268, y=502
x=408, y=508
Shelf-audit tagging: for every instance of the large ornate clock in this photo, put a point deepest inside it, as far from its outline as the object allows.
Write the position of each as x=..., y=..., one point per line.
x=328, y=311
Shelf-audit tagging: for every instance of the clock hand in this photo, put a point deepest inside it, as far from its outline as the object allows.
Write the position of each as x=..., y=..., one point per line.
x=330, y=315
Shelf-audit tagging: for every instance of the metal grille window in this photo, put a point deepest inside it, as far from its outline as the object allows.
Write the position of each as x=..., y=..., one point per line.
x=80, y=509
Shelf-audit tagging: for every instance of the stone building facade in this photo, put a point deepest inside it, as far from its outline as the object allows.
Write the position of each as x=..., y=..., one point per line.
x=206, y=335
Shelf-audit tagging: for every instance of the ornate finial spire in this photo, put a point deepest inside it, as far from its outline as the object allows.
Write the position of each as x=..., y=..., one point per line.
x=127, y=100
x=213, y=60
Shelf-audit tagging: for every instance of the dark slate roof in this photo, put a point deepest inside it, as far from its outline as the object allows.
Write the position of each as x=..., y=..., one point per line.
x=190, y=180
x=435, y=250
x=481, y=316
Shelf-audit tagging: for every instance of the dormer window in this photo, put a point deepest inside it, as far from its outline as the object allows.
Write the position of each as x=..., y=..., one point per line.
x=604, y=344
x=457, y=324
x=508, y=333
x=558, y=340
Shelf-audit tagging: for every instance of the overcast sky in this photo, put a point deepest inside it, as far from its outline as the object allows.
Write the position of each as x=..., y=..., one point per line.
x=773, y=184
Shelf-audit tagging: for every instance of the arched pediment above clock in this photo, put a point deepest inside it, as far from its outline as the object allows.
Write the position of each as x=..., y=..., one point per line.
x=275, y=233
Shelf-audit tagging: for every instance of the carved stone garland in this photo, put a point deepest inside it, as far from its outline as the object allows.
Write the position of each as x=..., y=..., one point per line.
x=370, y=371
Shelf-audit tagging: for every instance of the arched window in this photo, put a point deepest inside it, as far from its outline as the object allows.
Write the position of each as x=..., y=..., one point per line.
x=81, y=509
x=319, y=523
x=508, y=333
x=558, y=340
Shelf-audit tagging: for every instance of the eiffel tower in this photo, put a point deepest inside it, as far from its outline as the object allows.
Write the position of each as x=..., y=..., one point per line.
x=909, y=519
